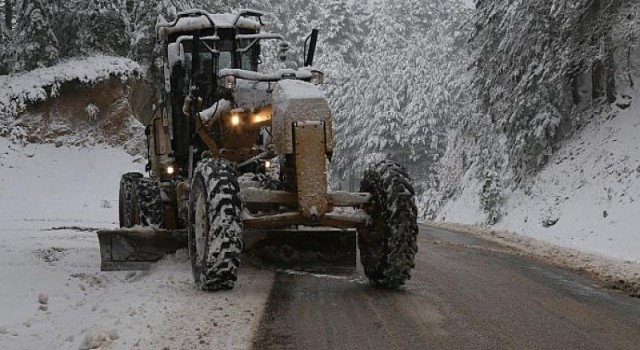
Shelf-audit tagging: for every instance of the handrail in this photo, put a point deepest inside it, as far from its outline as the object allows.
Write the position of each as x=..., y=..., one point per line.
x=183, y=14
x=255, y=38
x=248, y=13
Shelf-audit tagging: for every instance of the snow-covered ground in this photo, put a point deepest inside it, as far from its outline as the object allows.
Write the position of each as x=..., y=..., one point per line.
x=52, y=292
x=587, y=197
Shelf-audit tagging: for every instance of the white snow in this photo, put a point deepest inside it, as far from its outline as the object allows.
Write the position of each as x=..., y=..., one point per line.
x=469, y=3
x=223, y=20
x=52, y=292
x=216, y=110
x=277, y=76
x=590, y=189
x=300, y=89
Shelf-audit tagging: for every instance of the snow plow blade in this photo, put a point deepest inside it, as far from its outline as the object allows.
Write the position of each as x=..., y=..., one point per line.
x=137, y=249
x=302, y=249
x=307, y=250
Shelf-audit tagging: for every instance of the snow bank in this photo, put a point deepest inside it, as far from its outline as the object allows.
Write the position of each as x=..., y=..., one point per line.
x=52, y=292
x=586, y=198
x=35, y=86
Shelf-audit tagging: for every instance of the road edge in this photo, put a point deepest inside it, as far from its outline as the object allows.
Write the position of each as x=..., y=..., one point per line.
x=613, y=274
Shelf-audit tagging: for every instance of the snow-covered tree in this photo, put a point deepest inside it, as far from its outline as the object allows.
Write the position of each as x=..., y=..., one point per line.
x=6, y=25
x=540, y=68
x=33, y=42
x=531, y=60
x=102, y=27
x=626, y=42
x=409, y=83
x=340, y=31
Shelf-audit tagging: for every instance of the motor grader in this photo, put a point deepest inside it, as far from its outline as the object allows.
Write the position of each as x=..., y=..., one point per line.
x=238, y=159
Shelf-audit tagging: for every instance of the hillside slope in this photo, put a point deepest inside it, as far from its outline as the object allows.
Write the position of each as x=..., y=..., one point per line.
x=587, y=197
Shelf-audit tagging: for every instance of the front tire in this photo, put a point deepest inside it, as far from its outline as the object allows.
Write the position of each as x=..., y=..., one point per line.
x=388, y=245
x=215, y=227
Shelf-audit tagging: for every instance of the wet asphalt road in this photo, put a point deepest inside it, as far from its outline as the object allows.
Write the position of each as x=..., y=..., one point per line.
x=465, y=293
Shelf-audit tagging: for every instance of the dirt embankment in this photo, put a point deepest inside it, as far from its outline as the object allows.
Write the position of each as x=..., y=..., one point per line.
x=107, y=112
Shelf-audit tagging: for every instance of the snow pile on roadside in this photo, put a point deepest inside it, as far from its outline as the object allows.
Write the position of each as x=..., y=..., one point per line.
x=587, y=197
x=53, y=294
x=38, y=85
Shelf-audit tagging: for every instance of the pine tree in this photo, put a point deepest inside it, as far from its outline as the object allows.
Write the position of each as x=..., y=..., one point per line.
x=4, y=38
x=6, y=14
x=531, y=57
x=34, y=43
x=102, y=27
x=408, y=84
x=340, y=31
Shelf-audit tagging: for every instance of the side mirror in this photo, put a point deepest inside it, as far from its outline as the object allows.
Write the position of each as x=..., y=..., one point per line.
x=283, y=47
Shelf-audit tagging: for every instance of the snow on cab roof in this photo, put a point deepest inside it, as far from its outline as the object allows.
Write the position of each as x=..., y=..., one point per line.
x=197, y=19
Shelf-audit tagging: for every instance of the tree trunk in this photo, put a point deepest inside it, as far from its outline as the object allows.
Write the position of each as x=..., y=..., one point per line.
x=8, y=14
x=609, y=70
x=603, y=69
x=575, y=79
x=597, y=90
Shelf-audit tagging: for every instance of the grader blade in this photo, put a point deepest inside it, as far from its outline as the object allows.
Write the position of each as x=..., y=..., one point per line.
x=137, y=249
x=302, y=249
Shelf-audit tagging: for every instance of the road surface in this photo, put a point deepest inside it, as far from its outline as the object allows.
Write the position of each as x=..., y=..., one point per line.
x=465, y=293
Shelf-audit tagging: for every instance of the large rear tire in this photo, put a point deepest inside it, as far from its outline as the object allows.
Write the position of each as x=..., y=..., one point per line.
x=128, y=185
x=215, y=226
x=388, y=245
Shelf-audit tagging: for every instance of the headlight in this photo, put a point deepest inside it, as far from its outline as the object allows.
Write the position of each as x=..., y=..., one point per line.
x=229, y=82
x=317, y=77
x=267, y=164
x=170, y=169
x=261, y=117
x=235, y=119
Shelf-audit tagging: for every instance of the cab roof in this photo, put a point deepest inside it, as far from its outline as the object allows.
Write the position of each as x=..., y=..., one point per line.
x=197, y=19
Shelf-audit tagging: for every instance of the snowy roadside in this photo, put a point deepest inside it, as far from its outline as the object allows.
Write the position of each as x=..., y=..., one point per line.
x=53, y=294
x=610, y=273
x=587, y=197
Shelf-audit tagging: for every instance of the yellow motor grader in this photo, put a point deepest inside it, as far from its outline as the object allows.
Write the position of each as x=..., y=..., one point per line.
x=238, y=161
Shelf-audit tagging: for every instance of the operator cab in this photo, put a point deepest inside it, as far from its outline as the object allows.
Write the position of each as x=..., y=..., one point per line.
x=214, y=36
x=218, y=48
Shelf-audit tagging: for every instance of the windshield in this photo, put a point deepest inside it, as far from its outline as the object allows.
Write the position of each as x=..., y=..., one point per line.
x=247, y=60
x=225, y=60
x=207, y=62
